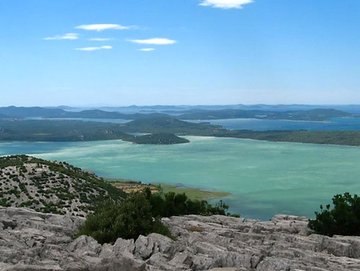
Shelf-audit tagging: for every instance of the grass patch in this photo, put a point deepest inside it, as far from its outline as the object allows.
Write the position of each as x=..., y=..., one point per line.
x=193, y=193
x=129, y=186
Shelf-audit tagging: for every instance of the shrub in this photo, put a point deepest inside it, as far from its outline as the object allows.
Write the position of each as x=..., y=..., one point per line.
x=127, y=219
x=343, y=218
x=141, y=213
x=172, y=204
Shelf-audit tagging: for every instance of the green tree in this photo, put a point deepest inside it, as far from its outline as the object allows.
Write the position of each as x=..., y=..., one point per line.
x=140, y=213
x=343, y=218
x=126, y=219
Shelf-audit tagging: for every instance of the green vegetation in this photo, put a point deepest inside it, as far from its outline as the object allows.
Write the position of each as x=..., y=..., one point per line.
x=140, y=213
x=54, y=187
x=70, y=130
x=163, y=129
x=129, y=186
x=170, y=204
x=343, y=218
x=167, y=124
x=350, y=138
x=193, y=193
x=47, y=130
x=127, y=219
x=160, y=138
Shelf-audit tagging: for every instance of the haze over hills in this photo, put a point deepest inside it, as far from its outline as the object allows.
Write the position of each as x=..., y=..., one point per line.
x=312, y=114
x=315, y=114
x=177, y=109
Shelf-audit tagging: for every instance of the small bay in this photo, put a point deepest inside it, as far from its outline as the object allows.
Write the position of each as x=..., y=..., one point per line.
x=264, y=178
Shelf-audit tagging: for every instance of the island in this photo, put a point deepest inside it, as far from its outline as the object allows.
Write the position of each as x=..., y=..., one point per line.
x=159, y=139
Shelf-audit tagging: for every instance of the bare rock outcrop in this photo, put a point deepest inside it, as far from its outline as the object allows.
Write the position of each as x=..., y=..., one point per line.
x=35, y=241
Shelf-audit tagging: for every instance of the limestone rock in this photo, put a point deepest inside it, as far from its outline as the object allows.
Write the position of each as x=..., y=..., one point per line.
x=85, y=245
x=145, y=246
x=34, y=241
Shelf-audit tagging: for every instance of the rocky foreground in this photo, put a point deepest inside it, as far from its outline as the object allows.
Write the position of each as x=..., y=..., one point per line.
x=35, y=241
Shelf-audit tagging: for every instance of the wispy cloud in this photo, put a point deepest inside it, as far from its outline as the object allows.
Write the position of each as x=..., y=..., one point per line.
x=147, y=49
x=102, y=27
x=67, y=36
x=100, y=39
x=226, y=4
x=90, y=49
x=155, y=41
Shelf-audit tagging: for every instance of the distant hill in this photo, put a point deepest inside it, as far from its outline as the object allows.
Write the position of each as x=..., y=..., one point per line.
x=70, y=130
x=195, y=113
x=32, y=112
x=41, y=112
x=168, y=124
x=64, y=130
x=51, y=187
x=164, y=130
x=309, y=115
x=349, y=138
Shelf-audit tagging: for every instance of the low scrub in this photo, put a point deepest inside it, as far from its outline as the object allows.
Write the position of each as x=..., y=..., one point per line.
x=140, y=214
x=340, y=218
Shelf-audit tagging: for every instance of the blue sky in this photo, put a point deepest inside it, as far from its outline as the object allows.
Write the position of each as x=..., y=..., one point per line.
x=145, y=52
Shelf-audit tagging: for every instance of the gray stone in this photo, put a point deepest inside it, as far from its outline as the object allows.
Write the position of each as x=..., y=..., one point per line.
x=124, y=247
x=145, y=246
x=43, y=242
x=85, y=245
x=274, y=264
x=116, y=264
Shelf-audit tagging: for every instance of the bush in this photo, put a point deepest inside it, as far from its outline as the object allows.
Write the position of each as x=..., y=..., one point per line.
x=173, y=204
x=342, y=219
x=140, y=214
x=126, y=219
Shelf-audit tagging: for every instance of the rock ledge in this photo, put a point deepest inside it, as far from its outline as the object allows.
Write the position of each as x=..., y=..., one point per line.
x=35, y=241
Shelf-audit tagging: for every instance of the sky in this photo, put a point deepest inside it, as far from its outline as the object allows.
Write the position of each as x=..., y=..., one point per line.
x=149, y=52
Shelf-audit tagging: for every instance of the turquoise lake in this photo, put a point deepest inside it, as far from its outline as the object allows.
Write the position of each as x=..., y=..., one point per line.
x=264, y=178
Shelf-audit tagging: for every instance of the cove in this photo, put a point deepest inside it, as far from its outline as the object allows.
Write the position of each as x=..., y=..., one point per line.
x=264, y=178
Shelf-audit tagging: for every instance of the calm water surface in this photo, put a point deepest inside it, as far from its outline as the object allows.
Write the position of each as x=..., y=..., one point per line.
x=264, y=178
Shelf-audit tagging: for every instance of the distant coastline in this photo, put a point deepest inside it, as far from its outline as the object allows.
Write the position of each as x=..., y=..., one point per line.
x=168, y=127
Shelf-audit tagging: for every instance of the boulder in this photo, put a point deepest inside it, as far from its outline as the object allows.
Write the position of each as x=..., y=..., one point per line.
x=145, y=246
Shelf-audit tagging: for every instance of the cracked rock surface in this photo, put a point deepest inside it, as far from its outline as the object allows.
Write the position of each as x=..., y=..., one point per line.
x=35, y=241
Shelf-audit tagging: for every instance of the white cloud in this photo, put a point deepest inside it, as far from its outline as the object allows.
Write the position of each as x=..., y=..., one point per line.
x=155, y=41
x=100, y=39
x=90, y=49
x=147, y=49
x=102, y=27
x=226, y=4
x=67, y=36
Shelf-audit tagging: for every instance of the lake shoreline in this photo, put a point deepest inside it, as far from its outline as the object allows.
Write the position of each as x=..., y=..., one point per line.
x=193, y=193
